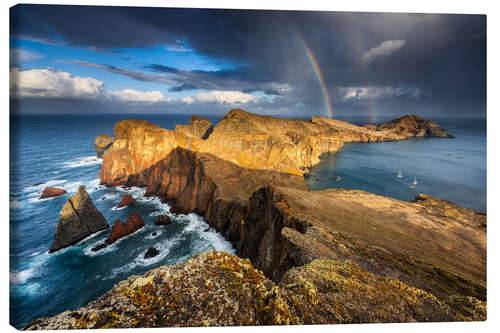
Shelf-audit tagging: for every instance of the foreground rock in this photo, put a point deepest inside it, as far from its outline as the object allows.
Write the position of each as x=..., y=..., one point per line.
x=50, y=192
x=102, y=143
x=163, y=220
x=151, y=252
x=127, y=200
x=78, y=219
x=120, y=230
x=218, y=289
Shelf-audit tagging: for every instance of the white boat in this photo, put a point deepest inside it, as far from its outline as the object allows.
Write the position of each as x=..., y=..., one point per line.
x=459, y=155
x=415, y=181
x=400, y=174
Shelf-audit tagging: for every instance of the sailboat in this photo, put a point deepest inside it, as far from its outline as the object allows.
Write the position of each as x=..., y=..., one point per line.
x=400, y=174
x=415, y=181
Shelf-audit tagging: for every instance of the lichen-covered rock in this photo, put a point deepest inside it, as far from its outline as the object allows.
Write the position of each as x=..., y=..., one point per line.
x=102, y=143
x=50, y=192
x=219, y=289
x=79, y=218
x=127, y=200
x=328, y=292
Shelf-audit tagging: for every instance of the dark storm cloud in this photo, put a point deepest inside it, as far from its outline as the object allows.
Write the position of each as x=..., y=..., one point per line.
x=444, y=56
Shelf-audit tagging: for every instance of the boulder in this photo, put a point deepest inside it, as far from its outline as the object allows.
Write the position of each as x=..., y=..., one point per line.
x=102, y=143
x=120, y=230
x=79, y=218
x=50, y=192
x=163, y=220
x=152, y=252
x=127, y=200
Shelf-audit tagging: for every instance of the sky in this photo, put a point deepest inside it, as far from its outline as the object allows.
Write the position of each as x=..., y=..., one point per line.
x=92, y=59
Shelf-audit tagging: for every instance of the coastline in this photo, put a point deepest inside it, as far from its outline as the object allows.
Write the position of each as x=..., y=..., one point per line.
x=274, y=225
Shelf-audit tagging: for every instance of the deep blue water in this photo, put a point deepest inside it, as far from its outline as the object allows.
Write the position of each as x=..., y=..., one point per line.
x=58, y=151
x=433, y=161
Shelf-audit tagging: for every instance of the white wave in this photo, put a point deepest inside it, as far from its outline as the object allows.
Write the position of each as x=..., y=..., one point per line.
x=56, y=172
x=163, y=246
x=43, y=185
x=116, y=208
x=95, y=234
x=20, y=277
x=216, y=240
x=83, y=162
x=150, y=236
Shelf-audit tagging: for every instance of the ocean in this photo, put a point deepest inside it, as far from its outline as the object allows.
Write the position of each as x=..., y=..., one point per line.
x=59, y=151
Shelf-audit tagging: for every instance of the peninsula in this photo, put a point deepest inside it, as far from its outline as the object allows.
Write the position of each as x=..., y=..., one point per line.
x=331, y=256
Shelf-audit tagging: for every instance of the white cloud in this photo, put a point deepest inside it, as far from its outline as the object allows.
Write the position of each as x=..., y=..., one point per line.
x=19, y=55
x=220, y=97
x=384, y=49
x=131, y=95
x=52, y=83
x=279, y=88
x=371, y=93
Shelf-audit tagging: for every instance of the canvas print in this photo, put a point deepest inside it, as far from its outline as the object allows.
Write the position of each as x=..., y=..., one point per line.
x=212, y=167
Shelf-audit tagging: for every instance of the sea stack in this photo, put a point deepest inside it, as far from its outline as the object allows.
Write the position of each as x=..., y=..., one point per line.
x=79, y=218
x=120, y=230
x=102, y=143
x=50, y=192
x=127, y=200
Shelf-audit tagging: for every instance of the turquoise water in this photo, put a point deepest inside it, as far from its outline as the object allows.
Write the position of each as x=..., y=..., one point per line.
x=435, y=162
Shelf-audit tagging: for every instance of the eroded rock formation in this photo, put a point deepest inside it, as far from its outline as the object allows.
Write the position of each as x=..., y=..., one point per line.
x=102, y=143
x=198, y=126
x=50, y=192
x=120, y=230
x=332, y=256
x=218, y=289
x=127, y=200
x=79, y=218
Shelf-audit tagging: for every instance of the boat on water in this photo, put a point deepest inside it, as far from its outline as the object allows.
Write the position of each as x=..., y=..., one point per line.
x=336, y=178
x=459, y=155
x=400, y=174
x=411, y=187
x=448, y=153
x=415, y=181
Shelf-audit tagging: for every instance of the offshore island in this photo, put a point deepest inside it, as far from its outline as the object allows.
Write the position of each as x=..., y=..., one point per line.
x=303, y=257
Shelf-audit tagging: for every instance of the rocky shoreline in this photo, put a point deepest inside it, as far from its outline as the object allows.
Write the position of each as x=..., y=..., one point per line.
x=246, y=178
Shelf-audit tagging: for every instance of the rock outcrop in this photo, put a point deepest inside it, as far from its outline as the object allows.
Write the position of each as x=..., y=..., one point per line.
x=218, y=289
x=414, y=126
x=120, y=230
x=79, y=218
x=224, y=179
x=127, y=200
x=163, y=220
x=198, y=126
x=50, y=192
x=102, y=143
x=332, y=256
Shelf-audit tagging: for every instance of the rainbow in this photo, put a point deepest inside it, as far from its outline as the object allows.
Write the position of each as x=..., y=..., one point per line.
x=317, y=72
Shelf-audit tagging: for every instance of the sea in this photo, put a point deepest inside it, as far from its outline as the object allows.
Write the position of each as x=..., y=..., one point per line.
x=50, y=150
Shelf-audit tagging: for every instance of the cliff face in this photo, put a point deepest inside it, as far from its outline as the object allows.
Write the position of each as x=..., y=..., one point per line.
x=224, y=178
x=102, y=143
x=218, y=289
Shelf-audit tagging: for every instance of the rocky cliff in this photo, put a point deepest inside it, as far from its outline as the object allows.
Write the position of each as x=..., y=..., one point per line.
x=225, y=176
x=246, y=179
x=102, y=143
x=78, y=219
x=218, y=289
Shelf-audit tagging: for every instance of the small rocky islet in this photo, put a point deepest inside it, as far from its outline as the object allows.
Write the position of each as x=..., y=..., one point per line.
x=312, y=257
